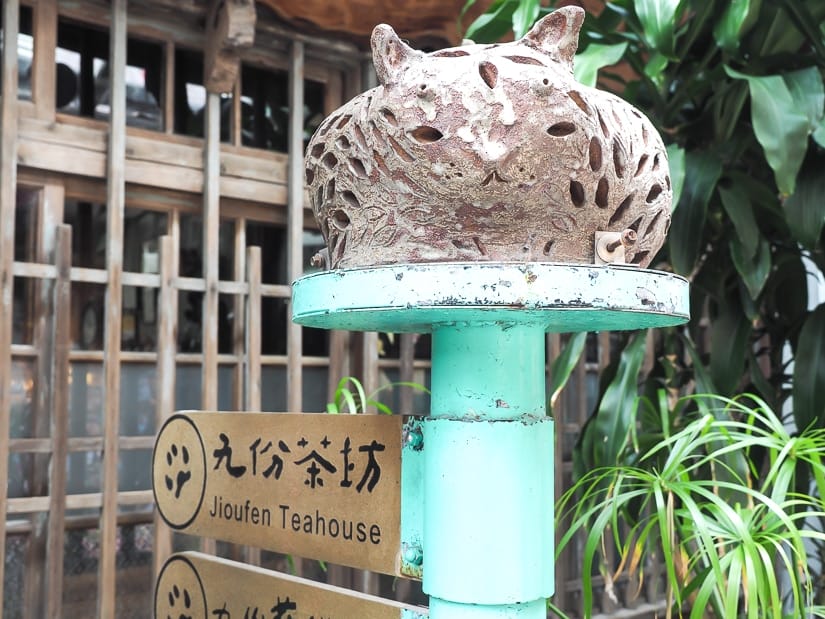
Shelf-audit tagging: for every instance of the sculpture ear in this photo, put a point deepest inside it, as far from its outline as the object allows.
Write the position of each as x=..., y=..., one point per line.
x=390, y=54
x=557, y=34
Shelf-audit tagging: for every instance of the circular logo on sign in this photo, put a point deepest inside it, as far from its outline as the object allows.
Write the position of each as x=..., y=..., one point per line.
x=179, y=471
x=179, y=593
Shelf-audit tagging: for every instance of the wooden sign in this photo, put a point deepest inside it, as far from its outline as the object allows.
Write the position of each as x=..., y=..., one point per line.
x=321, y=486
x=191, y=584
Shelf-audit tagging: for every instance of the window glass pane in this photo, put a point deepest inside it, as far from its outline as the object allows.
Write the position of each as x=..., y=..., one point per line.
x=314, y=390
x=226, y=243
x=85, y=399
x=226, y=387
x=88, y=318
x=315, y=342
x=226, y=323
x=81, y=56
x=190, y=95
x=190, y=311
x=84, y=471
x=272, y=241
x=25, y=53
x=188, y=387
x=88, y=222
x=18, y=547
x=144, y=75
x=264, y=108
x=137, y=399
x=142, y=230
x=273, y=388
x=313, y=108
x=134, y=470
x=134, y=575
x=81, y=551
x=273, y=326
x=191, y=245
x=23, y=379
x=139, y=328
x=25, y=225
x=23, y=291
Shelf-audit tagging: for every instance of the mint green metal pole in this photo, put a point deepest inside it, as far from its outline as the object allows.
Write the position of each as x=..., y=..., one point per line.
x=488, y=474
x=487, y=444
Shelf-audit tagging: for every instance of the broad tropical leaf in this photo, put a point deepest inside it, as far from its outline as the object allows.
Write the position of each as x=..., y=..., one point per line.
x=809, y=372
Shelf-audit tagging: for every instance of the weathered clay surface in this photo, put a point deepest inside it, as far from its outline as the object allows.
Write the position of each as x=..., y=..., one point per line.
x=486, y=152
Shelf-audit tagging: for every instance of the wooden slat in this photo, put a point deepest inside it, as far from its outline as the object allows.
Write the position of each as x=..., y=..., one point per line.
x=295, y=228
x=166, y=373
x=45, y=67
x=59, y=424
x=8, y=182
x=115, y=197
x=79, y=501
x=34, y=269
x=211, y=228
x=253, y=353
x=169, y=87
x=78, y=443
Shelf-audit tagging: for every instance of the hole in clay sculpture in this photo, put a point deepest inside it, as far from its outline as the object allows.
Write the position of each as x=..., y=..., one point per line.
x=350, y=198
x=319, y=196
x=639, y=257
x=655, y=162
x=317, y=150
x=640, y=167
x=605, y=129
x=652, y=223
x=399, y=150
x=667, y=181
x=327, y=124
x=547, y=247
x=577, y=193
x=620, y=211
x=426, y=135
x=488, y=72
x=450, y=53
x=525, y=60
x=602, y=193
x=595, y=154
x=357, y=167
x=389, y=116
x=339, y=219
x=343, y=122
x=635, y=225
x=329, y=191
x=329, y=161
x=359, y=137
x=559, y=130
x=619, y=158
x=577, y=98
x=310, y=174
x=653, y=193
x=342, y=142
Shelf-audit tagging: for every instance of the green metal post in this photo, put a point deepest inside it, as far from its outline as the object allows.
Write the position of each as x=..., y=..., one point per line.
x=488, y=474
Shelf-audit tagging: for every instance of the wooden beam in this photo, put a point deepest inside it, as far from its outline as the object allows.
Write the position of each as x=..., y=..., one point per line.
x=115, y=198
x=60, y=424
x=211, y=231
x=44, y=67
x=165, y=400
x=8, y=199
x=230, y=27
x=295, y=219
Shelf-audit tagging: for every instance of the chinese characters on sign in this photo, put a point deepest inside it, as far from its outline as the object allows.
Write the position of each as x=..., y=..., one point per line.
x=319, y=486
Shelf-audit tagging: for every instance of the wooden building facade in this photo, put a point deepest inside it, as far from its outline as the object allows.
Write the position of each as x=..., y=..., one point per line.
x=149, y=231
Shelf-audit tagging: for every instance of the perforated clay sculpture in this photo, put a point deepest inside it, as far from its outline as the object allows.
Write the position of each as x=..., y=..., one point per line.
x=488, y=152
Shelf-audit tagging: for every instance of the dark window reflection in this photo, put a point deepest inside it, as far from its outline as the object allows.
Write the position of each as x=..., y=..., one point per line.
x=25, y=53
x=81, y=56
x=88, y=222
x=88, y=315
x=264, y=108
x=139, y=320
x=190, y=97
x=25, y=225
x=272, y=241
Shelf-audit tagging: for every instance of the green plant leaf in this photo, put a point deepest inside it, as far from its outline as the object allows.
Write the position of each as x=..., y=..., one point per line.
x=805, y=209
x=779, y=125
x=739, y=209
x=525, y=16
x=819, y=133
x=617, y=411
x=753, y=271
x=809, y=372
x=730, y=331
x=676, y=161
x=564, y=364
x=702, y=171
x=808, y=93
x=658, y=19
x=728, y=28
x=586, y=65
x=493, y=24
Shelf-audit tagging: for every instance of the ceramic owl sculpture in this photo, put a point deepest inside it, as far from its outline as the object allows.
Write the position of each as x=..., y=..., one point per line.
x=486, y=152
